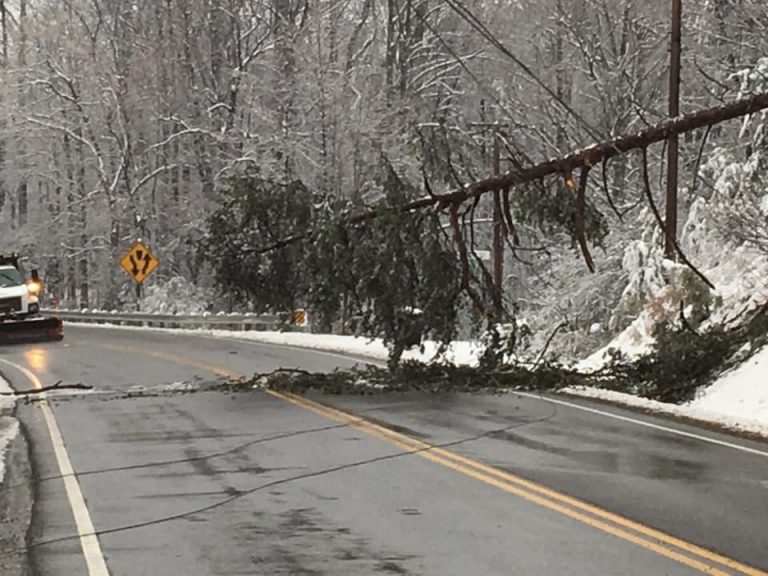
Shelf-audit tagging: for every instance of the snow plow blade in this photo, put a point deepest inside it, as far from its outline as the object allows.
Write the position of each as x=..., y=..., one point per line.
x=31, y=330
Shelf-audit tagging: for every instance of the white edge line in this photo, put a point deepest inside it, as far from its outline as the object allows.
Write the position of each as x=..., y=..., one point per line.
x=377, y=362
x=89, y=541
x=642, y=423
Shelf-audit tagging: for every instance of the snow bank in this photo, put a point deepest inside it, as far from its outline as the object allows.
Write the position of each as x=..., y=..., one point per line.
x=713, y=414
x=738, y=400
x=9, y=426
x=741, y=280
x=6, y=402
x=740, y=393
x=460, y=352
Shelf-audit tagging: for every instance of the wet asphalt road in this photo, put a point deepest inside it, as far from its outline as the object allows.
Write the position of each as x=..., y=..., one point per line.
x=213, y=482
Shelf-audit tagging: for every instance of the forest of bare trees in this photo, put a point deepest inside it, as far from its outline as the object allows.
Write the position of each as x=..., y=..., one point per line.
x=119, y=119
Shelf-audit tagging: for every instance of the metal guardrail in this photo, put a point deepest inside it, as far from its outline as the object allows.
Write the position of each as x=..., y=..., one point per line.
x=220, y=321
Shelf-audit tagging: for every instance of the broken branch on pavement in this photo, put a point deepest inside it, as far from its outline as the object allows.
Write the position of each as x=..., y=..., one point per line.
x=52, y=387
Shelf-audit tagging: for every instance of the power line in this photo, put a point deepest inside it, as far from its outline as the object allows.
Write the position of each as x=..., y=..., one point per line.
x=480, y=27
x=274, y=483
x=471, y=74
x=161, y=463
x=201, y=458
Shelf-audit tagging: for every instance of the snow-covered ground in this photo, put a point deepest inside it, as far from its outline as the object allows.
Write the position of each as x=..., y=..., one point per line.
x=739, y=393
x=9, y=426
x=739, y=405
x=460, y=352
x=738, y=400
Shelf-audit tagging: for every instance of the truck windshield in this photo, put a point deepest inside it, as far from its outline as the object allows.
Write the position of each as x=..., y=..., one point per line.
x=9, y=277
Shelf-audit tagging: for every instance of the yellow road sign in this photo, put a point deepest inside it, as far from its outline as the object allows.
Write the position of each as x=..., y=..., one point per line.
x=299, y=317
x=139, y=262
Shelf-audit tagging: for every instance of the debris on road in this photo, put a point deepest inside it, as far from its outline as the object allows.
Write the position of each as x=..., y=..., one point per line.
x=57, y=386
x=413, y=376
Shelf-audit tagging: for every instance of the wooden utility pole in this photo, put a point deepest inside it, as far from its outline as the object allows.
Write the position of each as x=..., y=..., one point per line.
x=672, y=144
x=497, y=219
x=498, y=237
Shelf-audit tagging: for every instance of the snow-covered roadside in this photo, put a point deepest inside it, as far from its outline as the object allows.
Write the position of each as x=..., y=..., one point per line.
x=741, y=392
x=692, y=411
x=738, y=400
x=9, y=426
x=460, y=352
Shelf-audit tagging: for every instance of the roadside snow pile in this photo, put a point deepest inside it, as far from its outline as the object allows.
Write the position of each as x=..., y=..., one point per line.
x=732, y=421
x=741, y=393
x=6, y=401
x=737, y=400
x=9, y=426
x=460, y=352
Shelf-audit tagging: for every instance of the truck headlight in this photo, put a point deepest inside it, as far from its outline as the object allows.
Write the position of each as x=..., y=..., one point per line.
x=34, y=288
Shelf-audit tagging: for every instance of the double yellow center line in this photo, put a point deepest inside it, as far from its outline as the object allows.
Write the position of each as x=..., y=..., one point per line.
x=686, y=553
x=659, y=542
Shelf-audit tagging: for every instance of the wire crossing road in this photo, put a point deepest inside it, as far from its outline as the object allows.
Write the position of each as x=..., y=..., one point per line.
x=158, y=472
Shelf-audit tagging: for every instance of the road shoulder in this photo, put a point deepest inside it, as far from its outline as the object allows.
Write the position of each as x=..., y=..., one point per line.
x=16, y=501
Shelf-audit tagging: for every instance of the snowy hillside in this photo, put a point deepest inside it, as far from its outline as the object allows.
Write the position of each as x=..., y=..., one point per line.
x=724, y=234
x=740, y=393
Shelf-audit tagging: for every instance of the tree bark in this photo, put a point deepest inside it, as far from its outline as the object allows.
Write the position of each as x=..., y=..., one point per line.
x=597, y=153
x=670, y=236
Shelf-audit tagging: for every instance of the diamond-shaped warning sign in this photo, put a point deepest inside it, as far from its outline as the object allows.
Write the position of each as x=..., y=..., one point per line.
x=139, y=262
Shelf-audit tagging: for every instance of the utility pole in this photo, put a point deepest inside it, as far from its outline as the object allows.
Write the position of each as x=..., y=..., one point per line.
x=497, y=243
x=670, y=238
x=498, y=236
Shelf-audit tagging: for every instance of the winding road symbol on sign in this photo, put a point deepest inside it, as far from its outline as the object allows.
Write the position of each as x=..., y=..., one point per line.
x=139, y=262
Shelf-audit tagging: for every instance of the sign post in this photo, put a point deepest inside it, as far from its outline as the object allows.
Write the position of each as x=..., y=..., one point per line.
x=139, y=262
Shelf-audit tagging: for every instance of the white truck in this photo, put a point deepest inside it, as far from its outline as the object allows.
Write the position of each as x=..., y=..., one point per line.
x=17, y=298
x=20, y=305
